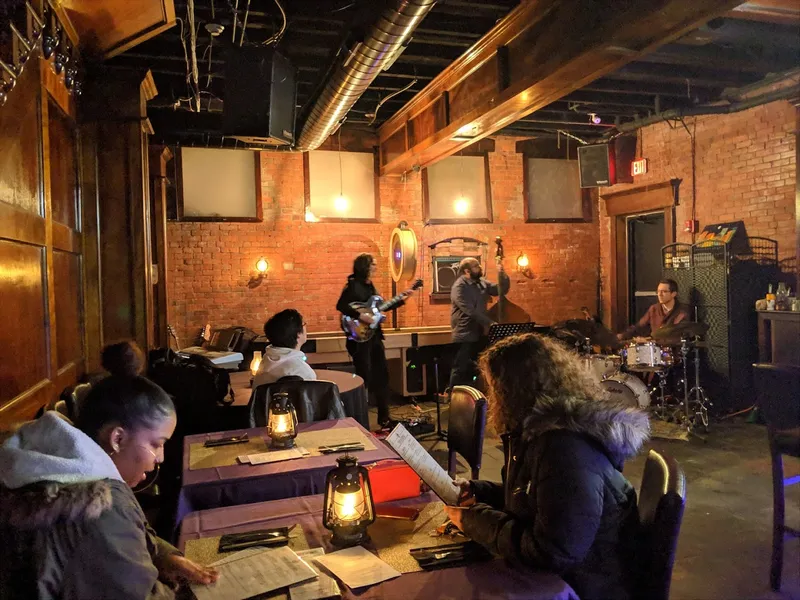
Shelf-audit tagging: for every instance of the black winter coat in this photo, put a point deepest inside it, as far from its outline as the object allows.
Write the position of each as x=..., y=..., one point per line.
x=564, y=505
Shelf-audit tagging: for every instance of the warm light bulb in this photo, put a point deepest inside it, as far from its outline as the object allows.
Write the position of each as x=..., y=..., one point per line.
x=341, y=204
x=262, y=265
x=522, y=261
x=461, y=206
x=280, y=423
x=347, y=505
x=255, y=363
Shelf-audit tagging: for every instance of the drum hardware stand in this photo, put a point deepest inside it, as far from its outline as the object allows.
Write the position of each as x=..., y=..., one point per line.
x=700, y=401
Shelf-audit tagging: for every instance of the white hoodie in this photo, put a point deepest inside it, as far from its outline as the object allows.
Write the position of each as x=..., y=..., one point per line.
x=282, y=362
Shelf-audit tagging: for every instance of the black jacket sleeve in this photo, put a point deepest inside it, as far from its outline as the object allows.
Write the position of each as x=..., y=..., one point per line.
x=347, y=296
x=566, y=491
x=488, y=492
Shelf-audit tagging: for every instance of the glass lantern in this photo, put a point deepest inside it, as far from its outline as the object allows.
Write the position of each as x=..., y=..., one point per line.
x=281, y=421
x=348, y=507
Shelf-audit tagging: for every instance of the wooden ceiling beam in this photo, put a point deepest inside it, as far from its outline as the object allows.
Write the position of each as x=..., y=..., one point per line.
x=781, y=12
x=540, y=52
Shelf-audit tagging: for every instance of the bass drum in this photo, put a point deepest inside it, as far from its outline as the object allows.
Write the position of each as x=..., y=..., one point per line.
x=628, y=389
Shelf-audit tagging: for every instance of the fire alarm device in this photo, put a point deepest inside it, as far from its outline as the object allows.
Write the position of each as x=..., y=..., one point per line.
x=691, y=226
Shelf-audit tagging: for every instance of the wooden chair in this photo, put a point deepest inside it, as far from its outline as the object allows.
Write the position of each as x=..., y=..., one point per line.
x=777, y=393
x=662, y=498
x=466, y=428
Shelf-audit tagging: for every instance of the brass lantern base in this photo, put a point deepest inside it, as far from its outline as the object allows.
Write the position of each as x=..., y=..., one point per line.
x=283, y=444
x=344, y=537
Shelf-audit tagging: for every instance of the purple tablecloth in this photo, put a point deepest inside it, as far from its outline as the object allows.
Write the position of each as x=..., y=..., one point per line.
x=485, y=581
x=244, y=484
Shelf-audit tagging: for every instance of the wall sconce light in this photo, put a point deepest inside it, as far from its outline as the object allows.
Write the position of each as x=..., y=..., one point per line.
x=461, y=206
x=281, y=421
x=523, y=265
x=348, y=509
x=256, y=277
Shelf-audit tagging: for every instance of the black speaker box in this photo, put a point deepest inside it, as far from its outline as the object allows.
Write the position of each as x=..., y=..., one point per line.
x=260, y=96
x=597, y=165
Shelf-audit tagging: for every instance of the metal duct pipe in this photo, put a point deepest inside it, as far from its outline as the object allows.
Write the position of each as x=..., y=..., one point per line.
x=360, y=68
x=718, y=109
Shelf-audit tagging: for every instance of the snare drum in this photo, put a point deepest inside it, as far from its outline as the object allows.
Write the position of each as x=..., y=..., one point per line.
x=602, y=366
x=628, y=389
x=647, y=356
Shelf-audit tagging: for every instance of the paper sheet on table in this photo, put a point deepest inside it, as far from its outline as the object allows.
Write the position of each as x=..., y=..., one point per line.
x=273, y=456
x=357, y=567
x=255, y=573
x=316, y=589
x=423, y=464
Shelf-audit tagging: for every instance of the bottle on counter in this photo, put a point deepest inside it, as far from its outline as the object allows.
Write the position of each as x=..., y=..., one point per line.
x=782, y=297
x=770, y=299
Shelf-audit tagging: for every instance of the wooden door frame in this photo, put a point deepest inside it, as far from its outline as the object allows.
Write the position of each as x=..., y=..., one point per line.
x=619, y=206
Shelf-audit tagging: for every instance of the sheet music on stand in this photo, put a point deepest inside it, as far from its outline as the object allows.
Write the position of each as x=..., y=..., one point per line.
x=499, y=331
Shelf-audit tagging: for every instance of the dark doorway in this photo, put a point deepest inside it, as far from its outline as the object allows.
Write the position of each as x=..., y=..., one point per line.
x=645, y=240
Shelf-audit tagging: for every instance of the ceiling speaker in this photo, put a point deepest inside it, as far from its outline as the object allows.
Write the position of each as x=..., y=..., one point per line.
x=402, y=254
x=596, y=164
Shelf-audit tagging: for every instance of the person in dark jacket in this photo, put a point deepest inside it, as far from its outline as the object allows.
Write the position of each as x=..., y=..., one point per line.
x=468, y=317
x=71, y=526
x=369, y=358
x=564, y=505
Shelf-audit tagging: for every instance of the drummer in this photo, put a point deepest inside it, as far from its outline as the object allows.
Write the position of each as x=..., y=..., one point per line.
x=668, y=311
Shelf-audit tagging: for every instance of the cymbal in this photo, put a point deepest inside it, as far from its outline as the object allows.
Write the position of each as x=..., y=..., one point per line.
x=598, y=334
x=672, y=334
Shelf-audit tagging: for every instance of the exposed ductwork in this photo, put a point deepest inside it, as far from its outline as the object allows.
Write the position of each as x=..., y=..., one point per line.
x=359, y=69
x=787, y=93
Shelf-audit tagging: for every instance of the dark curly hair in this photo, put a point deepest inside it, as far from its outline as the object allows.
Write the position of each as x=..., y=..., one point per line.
x=361, y=266
x=520, y=369
x=125, y=359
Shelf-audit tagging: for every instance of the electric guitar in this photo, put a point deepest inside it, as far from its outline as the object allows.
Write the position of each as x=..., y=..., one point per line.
x=356, y=329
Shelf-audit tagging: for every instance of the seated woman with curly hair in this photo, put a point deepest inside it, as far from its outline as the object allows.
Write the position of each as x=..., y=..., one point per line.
x=564, y=505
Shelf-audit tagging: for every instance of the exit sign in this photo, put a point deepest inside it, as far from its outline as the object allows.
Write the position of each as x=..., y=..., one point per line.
x=639, y=167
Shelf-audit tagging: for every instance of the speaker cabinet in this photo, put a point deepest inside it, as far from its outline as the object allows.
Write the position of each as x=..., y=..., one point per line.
x=597, y=165
x=260, y=96
x=408, y=374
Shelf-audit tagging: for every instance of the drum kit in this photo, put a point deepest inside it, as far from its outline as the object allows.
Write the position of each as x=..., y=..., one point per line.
x=647, y=372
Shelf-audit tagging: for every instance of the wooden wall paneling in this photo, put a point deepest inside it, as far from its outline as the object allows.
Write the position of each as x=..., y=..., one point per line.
x=159, y=156
x=68, y=287
x=63, y=167
x=20, y=158
x=90, y=214
x=24, y=358
x=116, y=100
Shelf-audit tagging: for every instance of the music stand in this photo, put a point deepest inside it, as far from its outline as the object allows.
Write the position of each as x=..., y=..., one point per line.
x=503, y=330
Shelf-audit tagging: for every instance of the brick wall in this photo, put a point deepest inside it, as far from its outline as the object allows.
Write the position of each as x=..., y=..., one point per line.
x=744, y=170
x=210, y=263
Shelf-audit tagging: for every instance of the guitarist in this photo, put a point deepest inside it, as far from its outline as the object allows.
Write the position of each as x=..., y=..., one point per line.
x=468, y=317
x=369, y=358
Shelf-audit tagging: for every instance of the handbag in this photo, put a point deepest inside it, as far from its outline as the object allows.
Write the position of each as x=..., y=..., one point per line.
x=393, y=480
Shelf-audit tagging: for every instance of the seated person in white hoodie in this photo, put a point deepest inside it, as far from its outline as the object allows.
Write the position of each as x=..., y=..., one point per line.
x=286, y=333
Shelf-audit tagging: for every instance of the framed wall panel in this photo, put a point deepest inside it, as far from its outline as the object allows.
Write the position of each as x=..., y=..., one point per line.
x=341, y=186
x=24, y=359
x=68, y=284
x=457, y=190
x=552, y=191
x=63, y=167
x=218, y=185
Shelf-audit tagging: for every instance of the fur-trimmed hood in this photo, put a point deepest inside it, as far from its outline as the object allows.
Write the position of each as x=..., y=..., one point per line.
x=49, y=471
x=620, y=428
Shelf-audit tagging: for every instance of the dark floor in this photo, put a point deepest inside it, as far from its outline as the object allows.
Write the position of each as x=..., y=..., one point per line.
x=725, y=542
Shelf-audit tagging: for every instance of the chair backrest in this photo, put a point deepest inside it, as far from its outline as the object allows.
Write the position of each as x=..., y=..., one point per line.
x=777, y=390
x=466, y=428
x=662, y=497
x=313, y=400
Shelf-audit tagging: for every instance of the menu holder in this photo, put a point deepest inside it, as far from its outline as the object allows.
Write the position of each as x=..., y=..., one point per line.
x=424, y=465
